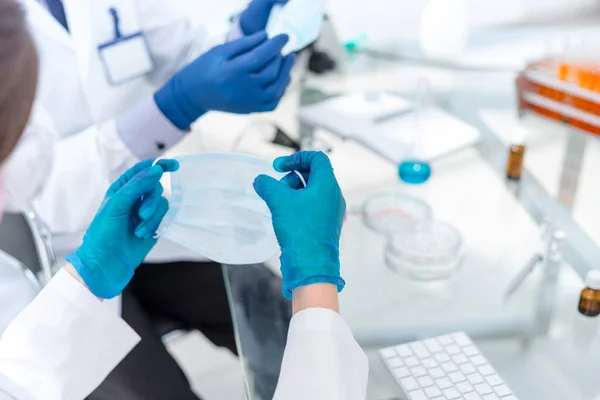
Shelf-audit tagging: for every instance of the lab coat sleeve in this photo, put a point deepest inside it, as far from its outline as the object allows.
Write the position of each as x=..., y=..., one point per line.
x=322, y=361
x=63, y=345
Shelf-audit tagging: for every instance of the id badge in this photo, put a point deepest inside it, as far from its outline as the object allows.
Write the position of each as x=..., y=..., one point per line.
x=125, y=59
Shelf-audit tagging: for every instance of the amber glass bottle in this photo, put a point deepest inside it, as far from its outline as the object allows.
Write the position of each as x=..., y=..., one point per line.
x=589, y=301
x=516, y=154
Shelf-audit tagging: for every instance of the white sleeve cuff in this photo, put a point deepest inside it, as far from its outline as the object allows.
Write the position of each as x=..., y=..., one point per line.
x=146, y=131
x=65, y=343
x=322, y=361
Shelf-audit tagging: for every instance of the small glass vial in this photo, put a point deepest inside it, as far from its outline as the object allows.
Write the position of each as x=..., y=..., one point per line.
x=516, y=153
x=589, y=301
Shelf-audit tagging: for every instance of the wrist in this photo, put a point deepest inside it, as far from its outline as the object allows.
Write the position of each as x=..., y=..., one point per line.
x=68, y=267
x=172, y=106
x=317, y=295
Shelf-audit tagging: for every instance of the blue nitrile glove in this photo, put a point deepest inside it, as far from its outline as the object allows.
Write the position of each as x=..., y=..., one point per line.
x=308, y=221
x=122, y=232
x=242, y=76
x=255, y=17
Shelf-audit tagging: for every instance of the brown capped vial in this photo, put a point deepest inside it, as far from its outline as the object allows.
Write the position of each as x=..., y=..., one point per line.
x=589, y=301
x=516, y=153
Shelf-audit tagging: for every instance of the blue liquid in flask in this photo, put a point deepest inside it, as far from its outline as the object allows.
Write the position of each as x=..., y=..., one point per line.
x=414, y=172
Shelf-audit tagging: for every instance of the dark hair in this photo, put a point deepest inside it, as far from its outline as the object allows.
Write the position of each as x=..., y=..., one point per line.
x=18, y=75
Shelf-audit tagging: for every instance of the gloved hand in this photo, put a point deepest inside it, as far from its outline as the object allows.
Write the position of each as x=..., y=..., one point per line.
x=308, y=221
x=242, y=76
x=122, y=232
x=255, y=17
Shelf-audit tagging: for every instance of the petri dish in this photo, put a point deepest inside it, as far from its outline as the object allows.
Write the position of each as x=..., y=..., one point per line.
x=393, y=212
x=428, y=250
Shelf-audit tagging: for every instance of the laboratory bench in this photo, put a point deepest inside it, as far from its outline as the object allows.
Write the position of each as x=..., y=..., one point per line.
x=532, y=336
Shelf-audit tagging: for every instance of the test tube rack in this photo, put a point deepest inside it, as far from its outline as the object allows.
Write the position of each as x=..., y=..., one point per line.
x=562, y=92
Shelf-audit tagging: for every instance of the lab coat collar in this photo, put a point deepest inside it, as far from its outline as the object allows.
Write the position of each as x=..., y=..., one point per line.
x=40, y=19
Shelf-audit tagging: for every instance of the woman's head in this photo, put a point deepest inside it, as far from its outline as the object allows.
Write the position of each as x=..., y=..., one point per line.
x=18, y=75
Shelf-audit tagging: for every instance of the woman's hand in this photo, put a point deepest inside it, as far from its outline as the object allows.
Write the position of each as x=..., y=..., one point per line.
x=122, y=232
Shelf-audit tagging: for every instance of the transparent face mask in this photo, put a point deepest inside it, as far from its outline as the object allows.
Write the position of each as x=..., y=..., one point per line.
x=214, y=210
x=301, y=20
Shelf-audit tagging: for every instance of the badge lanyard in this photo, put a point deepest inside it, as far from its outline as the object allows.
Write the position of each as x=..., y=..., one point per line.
x=126, y=57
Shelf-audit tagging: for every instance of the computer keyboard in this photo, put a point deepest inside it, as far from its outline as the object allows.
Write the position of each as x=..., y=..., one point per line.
x=448, y=367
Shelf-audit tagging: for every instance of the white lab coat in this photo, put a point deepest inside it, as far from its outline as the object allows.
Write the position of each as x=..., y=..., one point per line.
x=63, y=345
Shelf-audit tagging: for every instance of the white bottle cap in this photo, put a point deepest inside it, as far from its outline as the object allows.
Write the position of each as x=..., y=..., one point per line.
x=519, y=136
x=592, y=279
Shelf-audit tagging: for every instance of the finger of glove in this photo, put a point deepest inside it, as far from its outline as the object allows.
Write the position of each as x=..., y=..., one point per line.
x=243, y=45
x=276, y=89
x=168, y=165
x=141, y=184
x=293, y=181
x=315, y=163
x=147, y=229
x=127, y=175
x=151, y=200
x=269, y=189
x=257, y=58
x=270, y=72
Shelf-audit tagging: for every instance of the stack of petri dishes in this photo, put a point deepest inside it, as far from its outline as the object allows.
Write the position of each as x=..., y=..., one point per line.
x=418, y=246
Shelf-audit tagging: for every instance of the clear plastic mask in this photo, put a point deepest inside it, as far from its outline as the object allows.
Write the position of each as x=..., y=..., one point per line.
x=301, y=20
x=214, y=210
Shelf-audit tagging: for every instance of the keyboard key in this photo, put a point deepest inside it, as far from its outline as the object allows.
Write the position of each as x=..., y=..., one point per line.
x=401, y=372
x=420, y=350
x=451, y=394
x=472, y=396
x=502, y=390
x=491, y=397
x=418, y=371
x=509, y=397
x=417, y=395
x=478, y=361
x=461, y=339
x=443, y=383
x=460, y=359
x=409, y=384
x=425, y=381
x=449, y=367
x=475, y=379
x=429, y=363
x=486, y=370
x=433, y=345
x=442, y=357
x=395, y=362
x=452, y=349
x=464, y=387
x=445, y=340
x=467, y=369
x=404, y=350
x=483, y=389
x=436, y=373
x=469, y=350
x=456, y=377
x=411, y=361
x=494, y=380
x=433, y=392
x=388, y=353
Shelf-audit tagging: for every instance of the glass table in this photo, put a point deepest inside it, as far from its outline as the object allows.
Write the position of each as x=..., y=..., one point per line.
x=534, y=336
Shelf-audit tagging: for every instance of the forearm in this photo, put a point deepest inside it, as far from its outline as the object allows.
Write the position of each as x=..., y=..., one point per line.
x=317, y=295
